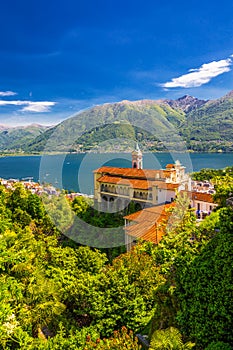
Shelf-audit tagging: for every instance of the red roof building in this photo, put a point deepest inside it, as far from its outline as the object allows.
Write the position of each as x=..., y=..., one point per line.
x=148, y=224
x=115, y=188
x=203, y=204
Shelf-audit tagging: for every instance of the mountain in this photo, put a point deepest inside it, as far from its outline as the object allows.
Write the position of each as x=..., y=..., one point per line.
x=159, y=125
x=146, y=120
x=186, y=103
x=210, y=127
x=14, y=139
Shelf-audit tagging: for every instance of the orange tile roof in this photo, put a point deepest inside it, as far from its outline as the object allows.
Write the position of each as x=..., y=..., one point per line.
x=137, y=183
x=141, y=184
x=137, y=230
x=154, y=211
x=115, y=180
x=148, y=223
x=133, y=217
x=202, y=197
x=154, y=234
x=140, y=231
x=144, y=216
x=135, y=173
x=165, y=185
x=170, y=166
x=147, y=231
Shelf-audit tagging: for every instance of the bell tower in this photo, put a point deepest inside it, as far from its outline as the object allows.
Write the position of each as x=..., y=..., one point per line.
x=137, y=158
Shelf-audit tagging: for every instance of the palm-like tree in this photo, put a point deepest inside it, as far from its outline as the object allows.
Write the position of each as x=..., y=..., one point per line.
x=169, y=339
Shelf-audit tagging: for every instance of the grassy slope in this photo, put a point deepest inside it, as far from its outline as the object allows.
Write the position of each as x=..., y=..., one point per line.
x=211, y=124
x=120, y=120
x=15, y=139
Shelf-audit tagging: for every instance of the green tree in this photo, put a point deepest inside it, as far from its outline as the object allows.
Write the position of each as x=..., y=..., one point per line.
x=224, y=189
x=17, y=198
x=126, y=294
x=81, y=205
x=35, y=207
x=59, y=211
x=204, y=288
x=218, y=346
x=169, y=339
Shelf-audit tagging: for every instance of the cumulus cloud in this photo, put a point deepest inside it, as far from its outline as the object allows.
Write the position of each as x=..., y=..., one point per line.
x=200, y=76
x=29, y=106
x=7, y=93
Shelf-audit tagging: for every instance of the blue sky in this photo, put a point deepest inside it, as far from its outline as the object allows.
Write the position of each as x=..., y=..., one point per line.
x=59, y=57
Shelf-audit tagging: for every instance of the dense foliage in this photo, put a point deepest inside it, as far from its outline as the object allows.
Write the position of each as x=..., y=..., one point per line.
x=51, y=289
x=120, y=340
x=205, y=288
x=169, y=338
x=57, y=294
x=209, y=174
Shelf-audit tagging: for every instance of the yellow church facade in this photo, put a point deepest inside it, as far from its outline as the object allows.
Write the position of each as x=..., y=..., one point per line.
x=115, y=188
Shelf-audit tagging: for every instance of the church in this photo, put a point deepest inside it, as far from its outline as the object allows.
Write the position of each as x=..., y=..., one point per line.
x=115, y=188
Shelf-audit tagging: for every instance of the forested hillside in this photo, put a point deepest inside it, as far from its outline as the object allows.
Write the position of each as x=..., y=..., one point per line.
x=210, y=126
x=143, y=120
x=15, y=139
x=57, y=294
x=159, y=125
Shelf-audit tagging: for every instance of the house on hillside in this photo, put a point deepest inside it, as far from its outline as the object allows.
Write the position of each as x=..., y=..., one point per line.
x=203, y=204
x=147, y=224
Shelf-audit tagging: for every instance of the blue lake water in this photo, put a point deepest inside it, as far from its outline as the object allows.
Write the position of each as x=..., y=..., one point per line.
x=75, y=171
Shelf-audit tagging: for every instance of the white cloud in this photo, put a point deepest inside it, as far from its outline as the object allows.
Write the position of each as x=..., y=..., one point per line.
x=7, y=93
x=39, y=107
x=14, y=103
x=200, y=76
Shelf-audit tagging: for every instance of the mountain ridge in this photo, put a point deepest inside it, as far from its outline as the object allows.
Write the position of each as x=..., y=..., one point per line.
x=205, y=125
x=187, y=103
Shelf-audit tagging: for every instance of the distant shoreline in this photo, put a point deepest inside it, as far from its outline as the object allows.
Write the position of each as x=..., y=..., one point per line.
x=2, y=155
x=75, y=172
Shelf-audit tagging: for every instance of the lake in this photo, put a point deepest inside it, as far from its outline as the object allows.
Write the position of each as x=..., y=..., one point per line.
x=75, y=171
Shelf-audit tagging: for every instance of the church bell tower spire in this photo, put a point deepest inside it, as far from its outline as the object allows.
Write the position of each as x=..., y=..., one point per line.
x=137, y=158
